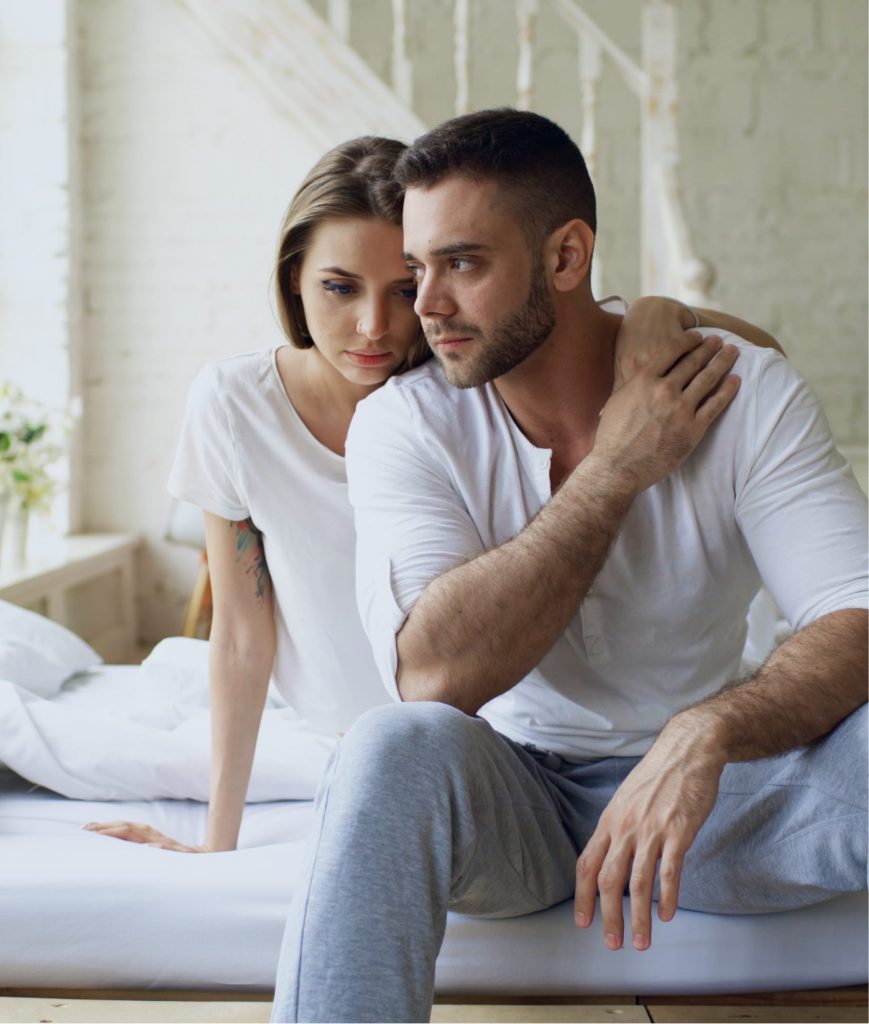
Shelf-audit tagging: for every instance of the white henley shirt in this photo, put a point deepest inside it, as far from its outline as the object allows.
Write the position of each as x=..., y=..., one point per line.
x=439, y=475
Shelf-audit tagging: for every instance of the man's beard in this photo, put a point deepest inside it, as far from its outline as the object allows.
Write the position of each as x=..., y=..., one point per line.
x=512, y=339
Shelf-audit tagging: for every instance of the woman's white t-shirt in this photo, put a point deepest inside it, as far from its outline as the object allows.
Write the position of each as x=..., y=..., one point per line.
x=244, y=452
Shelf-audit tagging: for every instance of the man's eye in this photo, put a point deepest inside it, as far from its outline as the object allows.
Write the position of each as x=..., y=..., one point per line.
x=415, y=272
x=338, y=287
x=462, y=263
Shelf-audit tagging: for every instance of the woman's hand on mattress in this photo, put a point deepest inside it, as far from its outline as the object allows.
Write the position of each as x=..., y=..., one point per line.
x=651, y=326
x=136, y=832
x=654, y=815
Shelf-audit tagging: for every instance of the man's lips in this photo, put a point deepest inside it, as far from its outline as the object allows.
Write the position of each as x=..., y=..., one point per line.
x=449, y=344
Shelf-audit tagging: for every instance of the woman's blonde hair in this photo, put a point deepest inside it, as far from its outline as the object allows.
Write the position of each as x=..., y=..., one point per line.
x=354, y=179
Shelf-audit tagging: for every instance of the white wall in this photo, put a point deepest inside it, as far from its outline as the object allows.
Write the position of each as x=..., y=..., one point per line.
x=187, y=168
x=187, y=171
x=39, y=307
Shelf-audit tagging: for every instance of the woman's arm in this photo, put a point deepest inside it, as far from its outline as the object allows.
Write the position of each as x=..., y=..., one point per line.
x=241, y=654
x=654, y=324
x=742, y=328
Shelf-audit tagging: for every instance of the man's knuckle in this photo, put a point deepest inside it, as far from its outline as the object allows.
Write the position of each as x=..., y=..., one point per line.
x=640, y=881
x=608, y=880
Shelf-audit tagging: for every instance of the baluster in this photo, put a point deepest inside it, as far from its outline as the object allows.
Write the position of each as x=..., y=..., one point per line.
x=461, y=63
x=590, y=68
x=402, y=72
x=526, y=16
x=339, y=17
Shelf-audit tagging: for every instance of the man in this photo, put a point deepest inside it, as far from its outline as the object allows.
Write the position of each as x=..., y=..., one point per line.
x=557, y=594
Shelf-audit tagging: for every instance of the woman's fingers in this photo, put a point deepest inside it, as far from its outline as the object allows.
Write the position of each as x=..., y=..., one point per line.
x=137, y=832
x=131, y=831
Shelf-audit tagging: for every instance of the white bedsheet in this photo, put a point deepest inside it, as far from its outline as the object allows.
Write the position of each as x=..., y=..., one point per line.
x=84, y=911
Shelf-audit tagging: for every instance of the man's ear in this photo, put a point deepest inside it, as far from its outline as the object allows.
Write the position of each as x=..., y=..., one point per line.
x=569, y=249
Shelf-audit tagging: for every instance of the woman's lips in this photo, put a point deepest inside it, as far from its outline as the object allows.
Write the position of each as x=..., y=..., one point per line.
x=369, y=358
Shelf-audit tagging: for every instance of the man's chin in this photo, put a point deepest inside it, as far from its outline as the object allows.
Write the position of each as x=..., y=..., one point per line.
x=458, y=372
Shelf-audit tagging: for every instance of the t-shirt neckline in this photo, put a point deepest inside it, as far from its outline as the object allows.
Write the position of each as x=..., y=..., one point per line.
x=325, y=449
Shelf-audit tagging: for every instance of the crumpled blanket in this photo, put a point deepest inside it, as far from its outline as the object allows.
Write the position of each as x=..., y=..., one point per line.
x=143, y=733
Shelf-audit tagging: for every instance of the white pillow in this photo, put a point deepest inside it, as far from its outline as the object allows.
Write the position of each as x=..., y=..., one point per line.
x=38, y=654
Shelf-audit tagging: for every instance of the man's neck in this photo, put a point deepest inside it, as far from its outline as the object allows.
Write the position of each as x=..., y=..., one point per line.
x=555, y=396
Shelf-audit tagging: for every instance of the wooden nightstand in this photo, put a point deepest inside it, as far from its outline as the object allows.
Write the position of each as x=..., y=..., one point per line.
x=86, y=583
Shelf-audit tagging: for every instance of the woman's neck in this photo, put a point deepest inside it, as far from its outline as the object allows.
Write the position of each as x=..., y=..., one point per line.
x=324, y=399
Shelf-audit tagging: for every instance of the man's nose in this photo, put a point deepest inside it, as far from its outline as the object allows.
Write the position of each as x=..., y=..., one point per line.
x=433, y=298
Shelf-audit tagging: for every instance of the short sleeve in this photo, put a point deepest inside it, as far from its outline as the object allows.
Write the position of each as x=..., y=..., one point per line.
x=411, y=524
x=204, y=472
x=798, y=504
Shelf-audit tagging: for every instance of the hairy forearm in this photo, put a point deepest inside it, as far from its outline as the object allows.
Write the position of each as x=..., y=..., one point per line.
x=807, y=686
x=741, y=328
x=239, y=685
x=479, y=628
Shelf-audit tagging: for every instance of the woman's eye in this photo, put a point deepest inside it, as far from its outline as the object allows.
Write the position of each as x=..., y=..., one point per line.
x=338, y=287
x=408, y=293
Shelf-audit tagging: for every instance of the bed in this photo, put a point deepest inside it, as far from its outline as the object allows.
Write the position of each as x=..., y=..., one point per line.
x=82, y=911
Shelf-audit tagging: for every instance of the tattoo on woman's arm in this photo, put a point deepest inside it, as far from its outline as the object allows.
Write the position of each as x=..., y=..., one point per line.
x=249, y=546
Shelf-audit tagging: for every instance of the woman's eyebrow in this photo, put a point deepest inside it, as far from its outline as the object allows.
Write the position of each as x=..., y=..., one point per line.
x=339, y=272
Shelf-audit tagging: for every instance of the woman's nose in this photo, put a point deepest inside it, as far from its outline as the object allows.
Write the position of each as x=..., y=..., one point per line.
x=374, y=322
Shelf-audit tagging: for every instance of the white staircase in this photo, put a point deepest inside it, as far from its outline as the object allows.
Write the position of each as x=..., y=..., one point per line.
x=301, y=54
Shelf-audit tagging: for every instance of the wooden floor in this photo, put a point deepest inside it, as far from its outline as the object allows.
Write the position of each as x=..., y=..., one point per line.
x=826, y=1006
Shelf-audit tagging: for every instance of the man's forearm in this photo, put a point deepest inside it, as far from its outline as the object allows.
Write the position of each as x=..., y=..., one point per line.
x=807, y=686
x=481, y=627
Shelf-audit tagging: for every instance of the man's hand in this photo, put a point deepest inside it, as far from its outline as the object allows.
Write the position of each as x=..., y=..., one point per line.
x=656, y=420
x=653, y=328
x=135, y=832
x=655, y=815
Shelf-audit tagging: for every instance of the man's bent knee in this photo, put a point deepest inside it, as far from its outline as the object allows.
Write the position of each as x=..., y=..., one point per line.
x=396, y=743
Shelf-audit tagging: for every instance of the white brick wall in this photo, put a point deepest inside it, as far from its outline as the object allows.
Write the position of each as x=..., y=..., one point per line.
x=187, y=171
x=187, y=167
x=34, y=199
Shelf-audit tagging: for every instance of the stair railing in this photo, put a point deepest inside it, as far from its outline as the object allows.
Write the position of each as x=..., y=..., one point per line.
x=668, y=264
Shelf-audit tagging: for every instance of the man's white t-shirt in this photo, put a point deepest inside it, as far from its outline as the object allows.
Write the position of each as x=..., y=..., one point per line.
x=439, y=475
x=244, y=452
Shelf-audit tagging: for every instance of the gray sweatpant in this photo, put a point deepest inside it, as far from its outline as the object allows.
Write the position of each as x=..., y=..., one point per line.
x=425, y=810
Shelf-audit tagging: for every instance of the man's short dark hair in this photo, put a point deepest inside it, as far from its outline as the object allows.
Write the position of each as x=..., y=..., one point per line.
x=536, y=162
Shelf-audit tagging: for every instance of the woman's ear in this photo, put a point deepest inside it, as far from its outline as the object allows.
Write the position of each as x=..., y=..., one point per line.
x=570, y=247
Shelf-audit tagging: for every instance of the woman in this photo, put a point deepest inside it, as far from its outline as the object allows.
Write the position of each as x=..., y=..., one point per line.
x=261, y=452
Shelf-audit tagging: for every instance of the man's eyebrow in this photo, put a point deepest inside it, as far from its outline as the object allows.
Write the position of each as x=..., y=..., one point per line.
x=454, y=249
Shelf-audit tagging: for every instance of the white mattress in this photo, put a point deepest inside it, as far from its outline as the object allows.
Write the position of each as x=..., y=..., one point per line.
x=81, y=910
